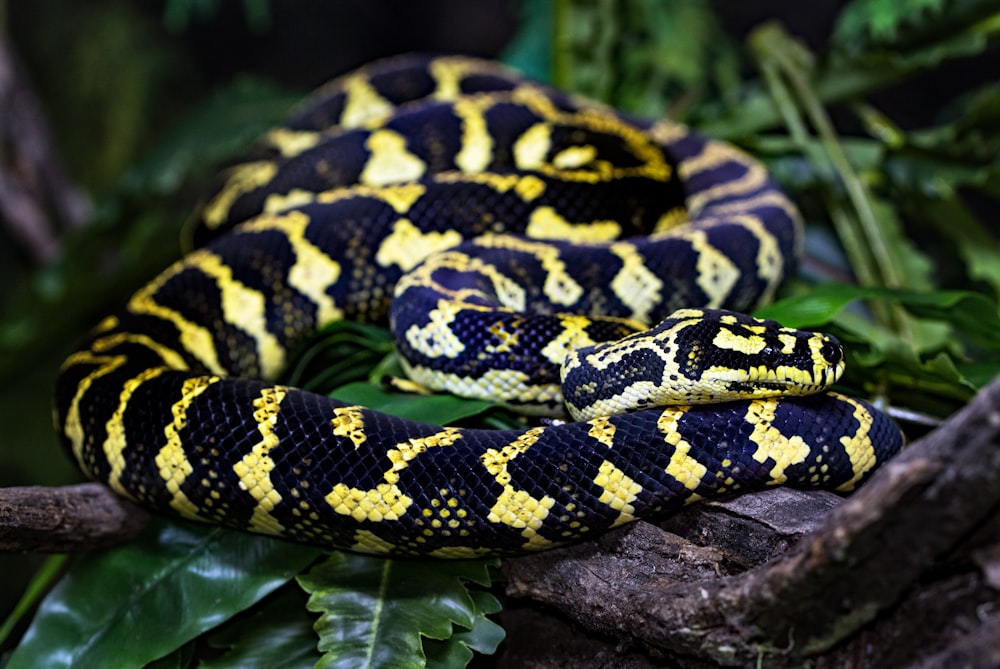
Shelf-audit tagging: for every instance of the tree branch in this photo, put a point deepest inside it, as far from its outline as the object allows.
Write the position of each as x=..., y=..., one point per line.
x=32, y=181
x=66, y=520
x=863, y=559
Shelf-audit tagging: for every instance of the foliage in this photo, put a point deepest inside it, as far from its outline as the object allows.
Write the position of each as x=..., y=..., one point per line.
x=897, y=236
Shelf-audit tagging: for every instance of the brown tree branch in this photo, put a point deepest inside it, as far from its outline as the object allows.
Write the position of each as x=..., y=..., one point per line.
x=36, y=196
x=66, y=520
x=864, y=558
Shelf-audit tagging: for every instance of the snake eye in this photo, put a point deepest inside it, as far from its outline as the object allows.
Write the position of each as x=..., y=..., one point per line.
x=771, y=356
x=832, y=352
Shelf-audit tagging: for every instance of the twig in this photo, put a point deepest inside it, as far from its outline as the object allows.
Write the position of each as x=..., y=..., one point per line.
x=32, y=181
x=66, y=520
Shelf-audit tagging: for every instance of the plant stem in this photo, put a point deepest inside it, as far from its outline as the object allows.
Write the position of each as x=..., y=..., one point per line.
x=783, y=60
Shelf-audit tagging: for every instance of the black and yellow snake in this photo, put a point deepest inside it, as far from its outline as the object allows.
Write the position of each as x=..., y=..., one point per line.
x=621, y=223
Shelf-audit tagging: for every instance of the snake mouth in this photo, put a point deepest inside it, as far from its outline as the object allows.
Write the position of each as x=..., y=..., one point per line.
x=772, y=388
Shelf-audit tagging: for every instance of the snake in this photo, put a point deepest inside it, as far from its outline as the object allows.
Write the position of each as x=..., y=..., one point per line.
x=529, y=246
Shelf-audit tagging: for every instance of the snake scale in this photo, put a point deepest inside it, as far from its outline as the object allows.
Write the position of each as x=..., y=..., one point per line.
x=519, y=228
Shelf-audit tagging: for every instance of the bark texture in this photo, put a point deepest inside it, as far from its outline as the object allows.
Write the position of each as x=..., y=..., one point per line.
x=906, y=572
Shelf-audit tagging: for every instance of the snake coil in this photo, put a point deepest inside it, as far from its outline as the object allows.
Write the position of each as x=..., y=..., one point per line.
x=619, y=223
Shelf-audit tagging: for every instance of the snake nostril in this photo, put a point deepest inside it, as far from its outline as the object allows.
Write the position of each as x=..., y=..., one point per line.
x=832, y=351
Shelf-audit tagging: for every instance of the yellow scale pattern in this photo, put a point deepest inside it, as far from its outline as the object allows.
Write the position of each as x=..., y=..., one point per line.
x=196, y=486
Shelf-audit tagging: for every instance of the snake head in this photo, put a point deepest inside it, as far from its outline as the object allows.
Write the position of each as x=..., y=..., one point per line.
x=699, y=356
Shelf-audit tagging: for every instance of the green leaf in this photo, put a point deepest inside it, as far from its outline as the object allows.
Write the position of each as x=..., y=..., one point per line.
x=130, y=605
x=277, y=635
x=215, y=130
x=865, y=21
x=484, y=637
x=972, y=314
x=339, y=353
x=46, y=575
x=375, y=611
x=530, y=49
x=438, y=409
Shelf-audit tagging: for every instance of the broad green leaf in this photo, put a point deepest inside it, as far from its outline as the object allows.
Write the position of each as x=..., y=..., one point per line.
x=438, y=409
x=374, y=612
x=484, y=637
x=973, y=314
x=277, y=635
x=130, y=605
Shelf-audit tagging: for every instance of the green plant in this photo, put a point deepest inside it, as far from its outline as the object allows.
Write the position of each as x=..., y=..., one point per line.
x=895, y=213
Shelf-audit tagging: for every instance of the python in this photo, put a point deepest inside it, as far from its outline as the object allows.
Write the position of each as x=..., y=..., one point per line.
x=521, y=230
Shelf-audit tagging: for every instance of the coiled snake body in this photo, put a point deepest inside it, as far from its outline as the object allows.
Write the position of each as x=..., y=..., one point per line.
x=169, y=402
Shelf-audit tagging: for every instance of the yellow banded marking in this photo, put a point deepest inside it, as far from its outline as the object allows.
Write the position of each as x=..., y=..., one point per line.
x=497, y=385
x=278, y=202
x=546, y=223
x=386, y=501
x=243, y=308
x=771, y=443
x=362, y=103
x=366, y=541
x=254, y=470
x=609, y=356
x=770, y=261
x=196, y=339
x=728, y=340
x=241, y=180
x=717, y=274
x=400, y=197
x=349, y=422
x=667, y=132
x=172, y=462
x=504, y=289
x=107, y=323
x=477, y=143
x=448, y=73
x=517, y=508
x=313, y=272
x=618, y=491
x=572, y=335
x=115, y=443
x=170, y=357
x=73, y=426
x=603, y=430
x=683, y=468
x=859, y=447
x=674, y=218
x=574, y=157
x=383, y=502
x=407, y=245
x=714, y=155
x=559, y=286
x=436, y=339
x=390, y=161
x=458, y=553
x=292, y=142
x=532, y=147
x=527, y=186
x=634, y=284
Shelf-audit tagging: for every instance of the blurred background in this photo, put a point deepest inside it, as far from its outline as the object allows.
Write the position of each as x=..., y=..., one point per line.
x=114, y=114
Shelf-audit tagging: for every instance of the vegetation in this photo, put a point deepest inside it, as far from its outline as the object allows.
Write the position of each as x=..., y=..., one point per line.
x=902, y=265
